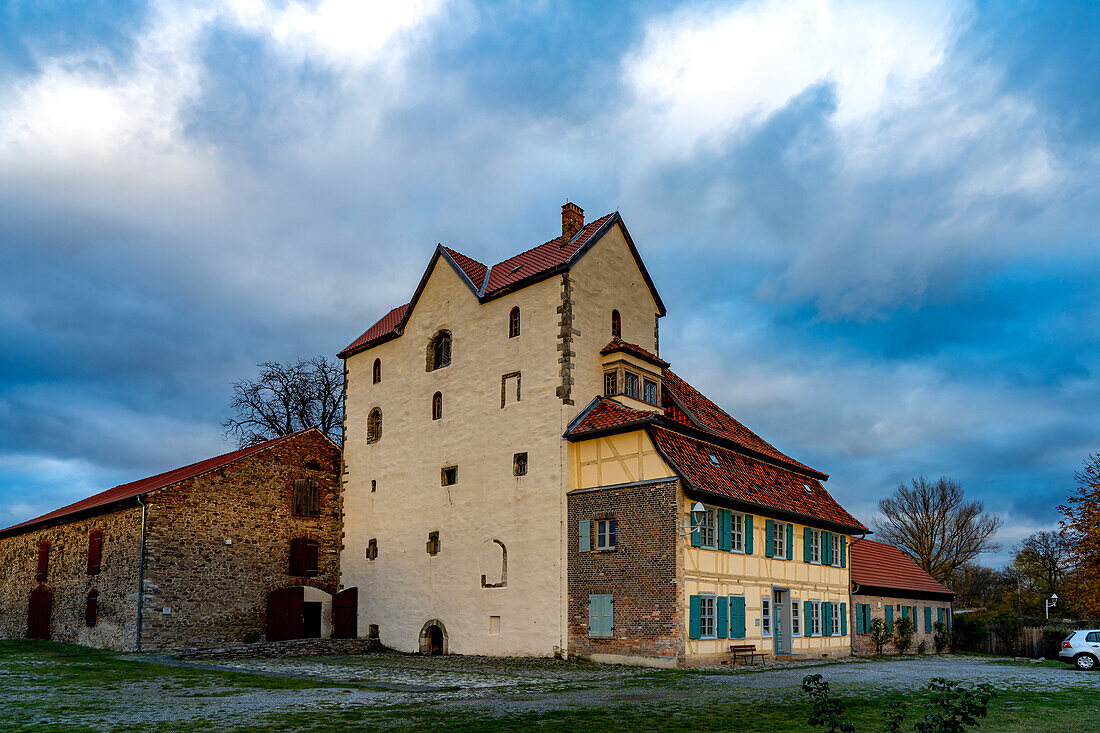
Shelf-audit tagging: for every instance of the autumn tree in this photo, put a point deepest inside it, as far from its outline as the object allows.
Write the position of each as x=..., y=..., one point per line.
x=933, y=523
x=285, y=398
x=1080, y=529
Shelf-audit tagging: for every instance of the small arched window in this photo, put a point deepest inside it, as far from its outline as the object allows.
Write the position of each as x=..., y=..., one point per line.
x=437, y=405
x=513, y=323
x=95, y=552
x=374, y=425
x=616, y=325
x=377, y=371
x=91, y=608
x=439, y=350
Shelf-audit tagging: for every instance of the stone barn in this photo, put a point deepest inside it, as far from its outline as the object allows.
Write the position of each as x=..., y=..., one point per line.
x=887, y=584
x=237, y=547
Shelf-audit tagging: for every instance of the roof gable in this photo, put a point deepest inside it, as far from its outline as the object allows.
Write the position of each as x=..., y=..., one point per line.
x=881, y=565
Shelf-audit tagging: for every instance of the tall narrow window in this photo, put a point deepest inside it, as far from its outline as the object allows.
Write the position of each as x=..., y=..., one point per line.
x=630, y=385
x=374, y=425
x=377, y=371
x=708, y=532
x=815, y=618
x=519, y=464
x=766, y=616
x=513, y=323
x=433, y=543
x=610, y=384
x=95, y=552
x=616, y=325
x=43, y=562
x=91, y=608
x=708, y=617
x=439, y=350
x=372, y=549
x=737, y=532
x=303, y=557
x=649, y=391
x=815, y=546
x=306, y=498
x=437, y=406
x=796, y=617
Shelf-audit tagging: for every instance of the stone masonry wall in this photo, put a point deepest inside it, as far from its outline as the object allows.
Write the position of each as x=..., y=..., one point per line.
x=69, y=583
x=217, y=592
x=861, y=643
x=641, y=572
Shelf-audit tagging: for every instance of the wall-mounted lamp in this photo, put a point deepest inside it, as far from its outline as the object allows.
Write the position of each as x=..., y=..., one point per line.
x=698, y=513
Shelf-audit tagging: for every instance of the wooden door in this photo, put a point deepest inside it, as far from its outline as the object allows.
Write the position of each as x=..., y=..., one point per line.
x=284, y=614
x=345, y=609
x=38, y=614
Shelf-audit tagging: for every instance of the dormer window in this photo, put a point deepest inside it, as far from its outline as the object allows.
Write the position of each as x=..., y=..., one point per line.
x=649, y=392
x=630, y=385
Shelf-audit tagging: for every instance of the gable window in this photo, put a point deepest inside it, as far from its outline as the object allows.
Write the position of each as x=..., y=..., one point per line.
x=605, y=534
x=519, y=464
x=449, y=475
x=437, y=406
x=815, y=618
x=374, y=425
x=610, y=384
x=43, y=568
x=815, y=546
x=439, y=351
x=708, y=530
x=737, y=534
x=630, y=385
x=616, y=325
x=303, y=557
x=372, y=549
x=766, y=616
x=796, y=618
x=307, y=498
x=708, y=617
x=513, y=323
x=377, y=371
x=95, y=552
x=649, y=391
x=433, y=543
x=91, y=607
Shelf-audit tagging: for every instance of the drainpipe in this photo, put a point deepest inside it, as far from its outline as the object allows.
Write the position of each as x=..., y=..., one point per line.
x=141, y=575
x=852, y=591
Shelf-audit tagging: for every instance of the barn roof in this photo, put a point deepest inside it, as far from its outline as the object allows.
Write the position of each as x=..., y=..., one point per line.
x=880, y=565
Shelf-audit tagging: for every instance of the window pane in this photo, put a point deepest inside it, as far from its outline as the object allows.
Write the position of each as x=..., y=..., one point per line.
x=609, y=384
x=630, y=389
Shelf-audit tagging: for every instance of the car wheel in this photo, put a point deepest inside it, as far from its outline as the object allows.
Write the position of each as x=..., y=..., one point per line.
x=1085, y=661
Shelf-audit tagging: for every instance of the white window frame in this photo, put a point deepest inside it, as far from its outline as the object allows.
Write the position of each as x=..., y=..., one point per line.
x=709, y=525
x=836, y=550
x=737, y=532
x=706, y=600
x=815, y=546
x=766, y=616
x=815, y=618
x=834, y=612
x=601, y=535
x=796, y=617
x=779, y=541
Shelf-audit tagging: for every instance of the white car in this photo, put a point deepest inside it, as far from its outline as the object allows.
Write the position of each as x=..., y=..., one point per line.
x=1081, y=648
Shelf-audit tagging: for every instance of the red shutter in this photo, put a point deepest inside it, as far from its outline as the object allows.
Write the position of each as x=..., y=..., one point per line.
x=296, y=557
x=303, y=557
x=91, y=608
x=43, y=562
x=95, y=552
x=310, y=549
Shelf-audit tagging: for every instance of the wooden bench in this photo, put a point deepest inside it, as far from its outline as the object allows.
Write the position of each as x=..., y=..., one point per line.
x=746, y=651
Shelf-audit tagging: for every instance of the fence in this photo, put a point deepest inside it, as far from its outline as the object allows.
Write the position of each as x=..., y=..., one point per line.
x=1030, y=643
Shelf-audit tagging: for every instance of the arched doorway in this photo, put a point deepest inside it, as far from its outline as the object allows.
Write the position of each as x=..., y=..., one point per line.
x=298, y=612
x=433, y=638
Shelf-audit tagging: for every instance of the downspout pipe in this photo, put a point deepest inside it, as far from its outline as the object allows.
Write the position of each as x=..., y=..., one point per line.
x=853, y=588
x=141, y=574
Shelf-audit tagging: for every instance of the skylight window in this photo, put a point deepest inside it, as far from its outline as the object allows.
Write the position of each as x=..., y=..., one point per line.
x=808, y=489
x=713, y=459
x=516, y=269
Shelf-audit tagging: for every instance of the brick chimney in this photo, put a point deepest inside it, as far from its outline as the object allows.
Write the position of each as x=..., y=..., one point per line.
x=572, y=221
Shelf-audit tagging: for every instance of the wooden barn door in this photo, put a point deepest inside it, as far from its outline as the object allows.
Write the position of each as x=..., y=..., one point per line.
x=38, y=615
x=345, y=607
x=284, y=614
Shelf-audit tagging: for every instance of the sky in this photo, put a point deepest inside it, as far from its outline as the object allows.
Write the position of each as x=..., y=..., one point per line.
x=874, y=225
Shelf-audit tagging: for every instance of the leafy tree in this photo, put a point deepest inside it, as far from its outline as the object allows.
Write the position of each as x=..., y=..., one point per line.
x=1080, y=529
x=904, y=629
x=879, y=635
x=1007, y=628
x=286, y=398
x=933, y=523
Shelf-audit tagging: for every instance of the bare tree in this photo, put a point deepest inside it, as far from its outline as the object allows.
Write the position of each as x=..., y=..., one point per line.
x=1043, y=560
x=286, y=398
x=933, y=524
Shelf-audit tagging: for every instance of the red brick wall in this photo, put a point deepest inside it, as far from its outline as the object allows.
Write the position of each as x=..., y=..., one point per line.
x=641, y=572
x=861, y=643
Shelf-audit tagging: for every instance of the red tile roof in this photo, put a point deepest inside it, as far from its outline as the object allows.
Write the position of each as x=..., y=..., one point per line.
x=386, y=326
x=152, y=483
x=749, y=480
x=710, y=416
x=617, y=344
x=605, y=413
x=473, y=269
x=881, y=565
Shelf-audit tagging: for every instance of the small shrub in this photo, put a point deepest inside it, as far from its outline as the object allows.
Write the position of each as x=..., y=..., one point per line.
x=940, y=637
x=952, y=706
x=895, y=714
x=922, y=648
x=969, y=632
x=879, y=635
x=904, y=629
x=827, y=712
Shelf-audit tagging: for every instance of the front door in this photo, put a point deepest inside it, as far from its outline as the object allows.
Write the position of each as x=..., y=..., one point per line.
x=781, y=622
x=38, y=613
x=284, y=614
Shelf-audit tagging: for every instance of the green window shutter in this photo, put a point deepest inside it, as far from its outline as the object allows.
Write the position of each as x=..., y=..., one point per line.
x=890, y=617
x=694, y=611
x=827, y=618
x=859, y=618
x=769, y=538
x=939, y=615
x=948, y=621
x=607, y=626
x=790, y=542
x=806, y=541
x=737, y=617
x=843, y=551
x=927, y=619
x=584, y=535
x=696, y=533
x=725, y=529
x=748, y=534
x=808, y=618
x=722, y=620
x=826, y=548
x=593, y=615
x=843, y=619
x=905, y=611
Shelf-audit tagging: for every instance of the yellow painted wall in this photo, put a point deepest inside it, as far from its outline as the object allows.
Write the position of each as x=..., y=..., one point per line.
x=754, y=576
x=617, y=459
